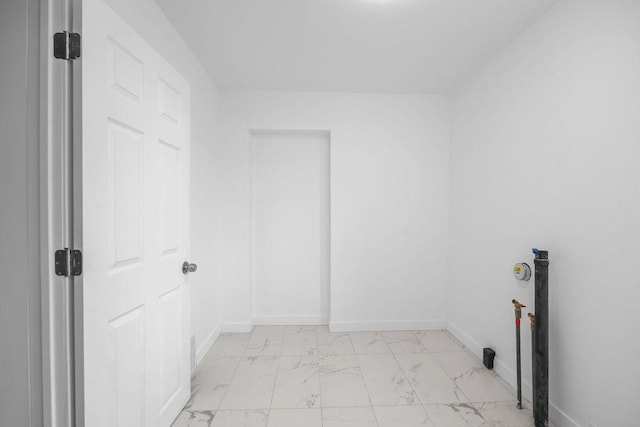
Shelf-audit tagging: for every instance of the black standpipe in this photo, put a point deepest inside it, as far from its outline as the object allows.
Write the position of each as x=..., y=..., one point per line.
x=532, y=319
x=541, y=340
x=518, y=310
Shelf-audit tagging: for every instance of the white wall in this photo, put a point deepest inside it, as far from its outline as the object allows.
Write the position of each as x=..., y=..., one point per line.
x=149, y=21
x=546, y=152
x=20, y=332
x=389, y=202
x=290, y=227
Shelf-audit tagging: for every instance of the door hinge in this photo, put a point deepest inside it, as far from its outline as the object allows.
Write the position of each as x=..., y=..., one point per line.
x=66, y=45
x=68, y=262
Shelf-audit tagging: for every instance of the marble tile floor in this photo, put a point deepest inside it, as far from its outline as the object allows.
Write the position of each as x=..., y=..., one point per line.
x=305, y=376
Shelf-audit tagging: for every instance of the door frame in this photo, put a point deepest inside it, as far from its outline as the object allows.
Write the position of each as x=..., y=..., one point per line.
x=60, y=221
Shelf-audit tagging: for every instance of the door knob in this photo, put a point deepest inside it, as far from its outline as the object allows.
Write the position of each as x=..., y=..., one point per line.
x=189, y=268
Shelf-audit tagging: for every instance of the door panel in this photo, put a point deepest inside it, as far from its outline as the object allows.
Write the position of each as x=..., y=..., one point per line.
x=169, y=105
x=125, y=194
x=126, y=369
x=126, y=73
x=170, y=353
x=135, y=213
x=169, y=178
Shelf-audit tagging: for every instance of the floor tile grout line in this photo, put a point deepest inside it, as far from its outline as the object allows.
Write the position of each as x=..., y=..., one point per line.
x=343, y=334
x=379, y=333
x=425, y=404
x=235, y=372
x=458, y=344
x=403, y=374
x=410, y=352
x=407, y=378
x=421, y=342
x=439, y=366
x=367, y=389
x=468, y=352
x=501, y=380
x=469, y=401
x=273, y=389
x=248, y=341
x=314, y=349
x=275, y=380
x=319, y=379
x=450, y=377
x=456, y=340
x=275, y=377
x=230, y=381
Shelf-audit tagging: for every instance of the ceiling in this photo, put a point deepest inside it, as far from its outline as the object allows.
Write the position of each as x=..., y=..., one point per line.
x=347, y=45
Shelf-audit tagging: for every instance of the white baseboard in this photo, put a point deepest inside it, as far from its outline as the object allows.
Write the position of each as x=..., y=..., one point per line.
x=236, y=327
x=204, y=348
x=391, y=325
x=558, y=417
x=338, y=326
x=243, y=327
x=289, y=320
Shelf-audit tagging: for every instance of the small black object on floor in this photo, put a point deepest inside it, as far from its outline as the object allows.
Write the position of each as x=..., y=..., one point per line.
x=489, y=355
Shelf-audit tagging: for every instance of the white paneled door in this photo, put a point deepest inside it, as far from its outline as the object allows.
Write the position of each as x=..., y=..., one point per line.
x=135, y=227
